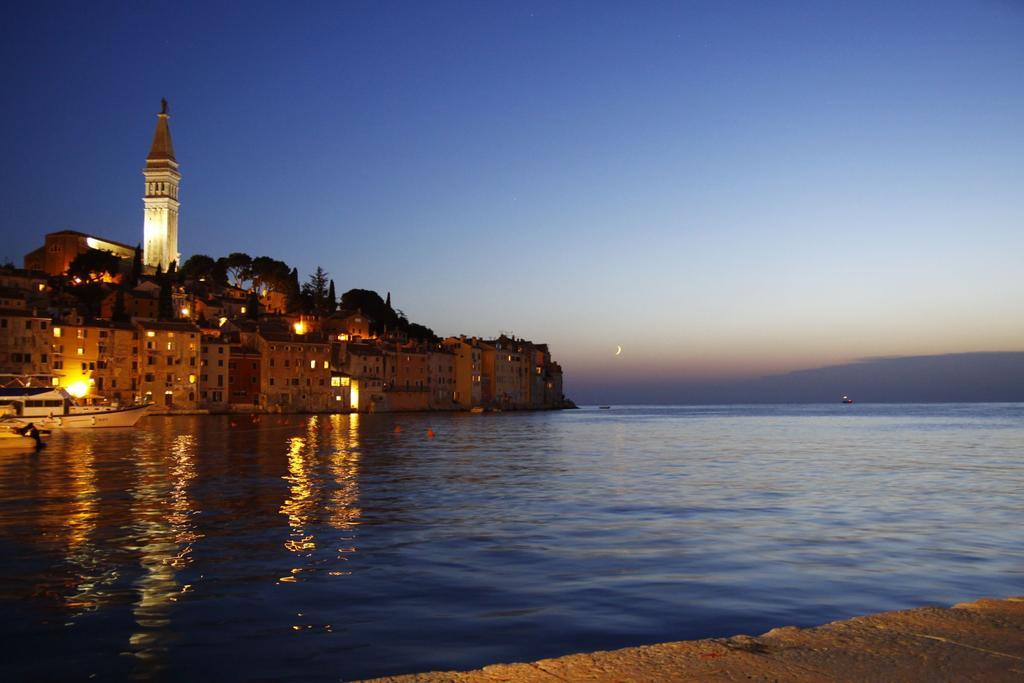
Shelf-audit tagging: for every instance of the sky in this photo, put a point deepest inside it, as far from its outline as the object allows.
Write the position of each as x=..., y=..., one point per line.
x=726, y=190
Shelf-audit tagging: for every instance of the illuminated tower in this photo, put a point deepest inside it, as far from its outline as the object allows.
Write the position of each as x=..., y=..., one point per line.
x=160, y=227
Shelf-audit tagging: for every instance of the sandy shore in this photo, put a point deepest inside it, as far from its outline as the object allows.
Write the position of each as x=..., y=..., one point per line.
x=978, y=641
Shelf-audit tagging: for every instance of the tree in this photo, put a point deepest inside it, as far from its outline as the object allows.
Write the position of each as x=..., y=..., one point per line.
x=237, y=267
x=91, y=266
x=136, y=272
x=199, y=267
x=332, y=299
x=270, y=274
x=293, y=292
x=315, y=290
x=165, y=305
x=252, y=306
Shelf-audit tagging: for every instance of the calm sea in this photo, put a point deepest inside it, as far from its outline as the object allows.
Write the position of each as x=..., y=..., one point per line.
x=339, y=547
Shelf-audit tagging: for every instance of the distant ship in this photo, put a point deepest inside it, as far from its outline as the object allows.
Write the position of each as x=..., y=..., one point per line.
x=847, y=399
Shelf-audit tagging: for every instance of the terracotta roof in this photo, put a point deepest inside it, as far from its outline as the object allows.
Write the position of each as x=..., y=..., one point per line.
x=162, y=148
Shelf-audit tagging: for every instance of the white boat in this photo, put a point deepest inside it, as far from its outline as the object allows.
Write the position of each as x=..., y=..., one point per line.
x=54, y=408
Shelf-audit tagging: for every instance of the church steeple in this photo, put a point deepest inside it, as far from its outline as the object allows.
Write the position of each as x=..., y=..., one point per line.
x=160, y=227
x=162, y=150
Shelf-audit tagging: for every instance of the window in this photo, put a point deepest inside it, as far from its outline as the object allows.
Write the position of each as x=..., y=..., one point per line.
x=42, y=324
x=312, y=365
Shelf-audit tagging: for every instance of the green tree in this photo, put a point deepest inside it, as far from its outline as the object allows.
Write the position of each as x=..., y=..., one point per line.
x=92, y=265
x=199, y=267
x=165, y=304
x=237, y=268
x=135, y=274
x=332, y=299
x=315, y=291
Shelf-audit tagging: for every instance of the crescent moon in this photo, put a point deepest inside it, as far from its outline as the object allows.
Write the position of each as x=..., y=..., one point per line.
x=618, y=351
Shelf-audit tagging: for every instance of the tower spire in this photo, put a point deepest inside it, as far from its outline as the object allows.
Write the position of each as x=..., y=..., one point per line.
x=160, y=227
x=162, y=148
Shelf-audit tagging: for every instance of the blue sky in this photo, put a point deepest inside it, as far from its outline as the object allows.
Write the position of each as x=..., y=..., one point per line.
x=726, y=189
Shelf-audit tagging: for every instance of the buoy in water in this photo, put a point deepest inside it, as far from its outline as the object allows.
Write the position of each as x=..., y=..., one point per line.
x=430, y=433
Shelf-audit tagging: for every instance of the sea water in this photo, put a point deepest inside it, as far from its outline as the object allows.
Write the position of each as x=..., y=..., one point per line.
x=339, y=547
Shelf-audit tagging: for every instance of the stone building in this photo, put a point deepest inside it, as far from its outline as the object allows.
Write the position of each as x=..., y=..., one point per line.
x=468, y=363
x=60, y=249
x=214, y=363
x=24, y=343
x=168, y=368
x=161, y=204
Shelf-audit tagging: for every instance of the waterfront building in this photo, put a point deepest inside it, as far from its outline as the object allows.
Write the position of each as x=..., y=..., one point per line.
x=168, y=367
x=553, y=393
x=161, y=205
x=94, y=360
x=295, y=368
x=244, y=366
x=468, y=369
x=501, y=364
x=364, y=364
x=541, y=360
x=441, y=379
x=214, y=360
x=406, y=383
x=24, y=343
x=115, y=379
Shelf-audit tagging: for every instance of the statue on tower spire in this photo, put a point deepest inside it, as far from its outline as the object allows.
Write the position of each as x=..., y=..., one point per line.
x=163, y=105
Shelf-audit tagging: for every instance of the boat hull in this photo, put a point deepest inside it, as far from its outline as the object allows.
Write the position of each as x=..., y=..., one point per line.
x=92, y=419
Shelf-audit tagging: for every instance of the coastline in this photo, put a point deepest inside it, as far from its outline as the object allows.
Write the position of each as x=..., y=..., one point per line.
x=249, y=410
x=981, y=640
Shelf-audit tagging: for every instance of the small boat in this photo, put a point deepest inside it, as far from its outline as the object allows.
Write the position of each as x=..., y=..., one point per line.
x=12, y=439
x=604, y=407
x=476, y=409
x=54, y=408
x=847, y=399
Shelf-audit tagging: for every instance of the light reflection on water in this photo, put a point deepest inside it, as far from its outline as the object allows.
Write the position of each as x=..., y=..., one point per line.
x=322, y=547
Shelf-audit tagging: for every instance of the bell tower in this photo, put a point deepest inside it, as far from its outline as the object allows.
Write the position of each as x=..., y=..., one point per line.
x=160, y=226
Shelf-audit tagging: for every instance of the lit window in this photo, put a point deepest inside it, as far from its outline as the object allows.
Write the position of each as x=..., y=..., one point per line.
x=56, y=332
x=81, y=351
x=312, y=365
x=243, y=309
x=335, y=381
x=150, y=333
x=191, y=379
x=325, y=365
